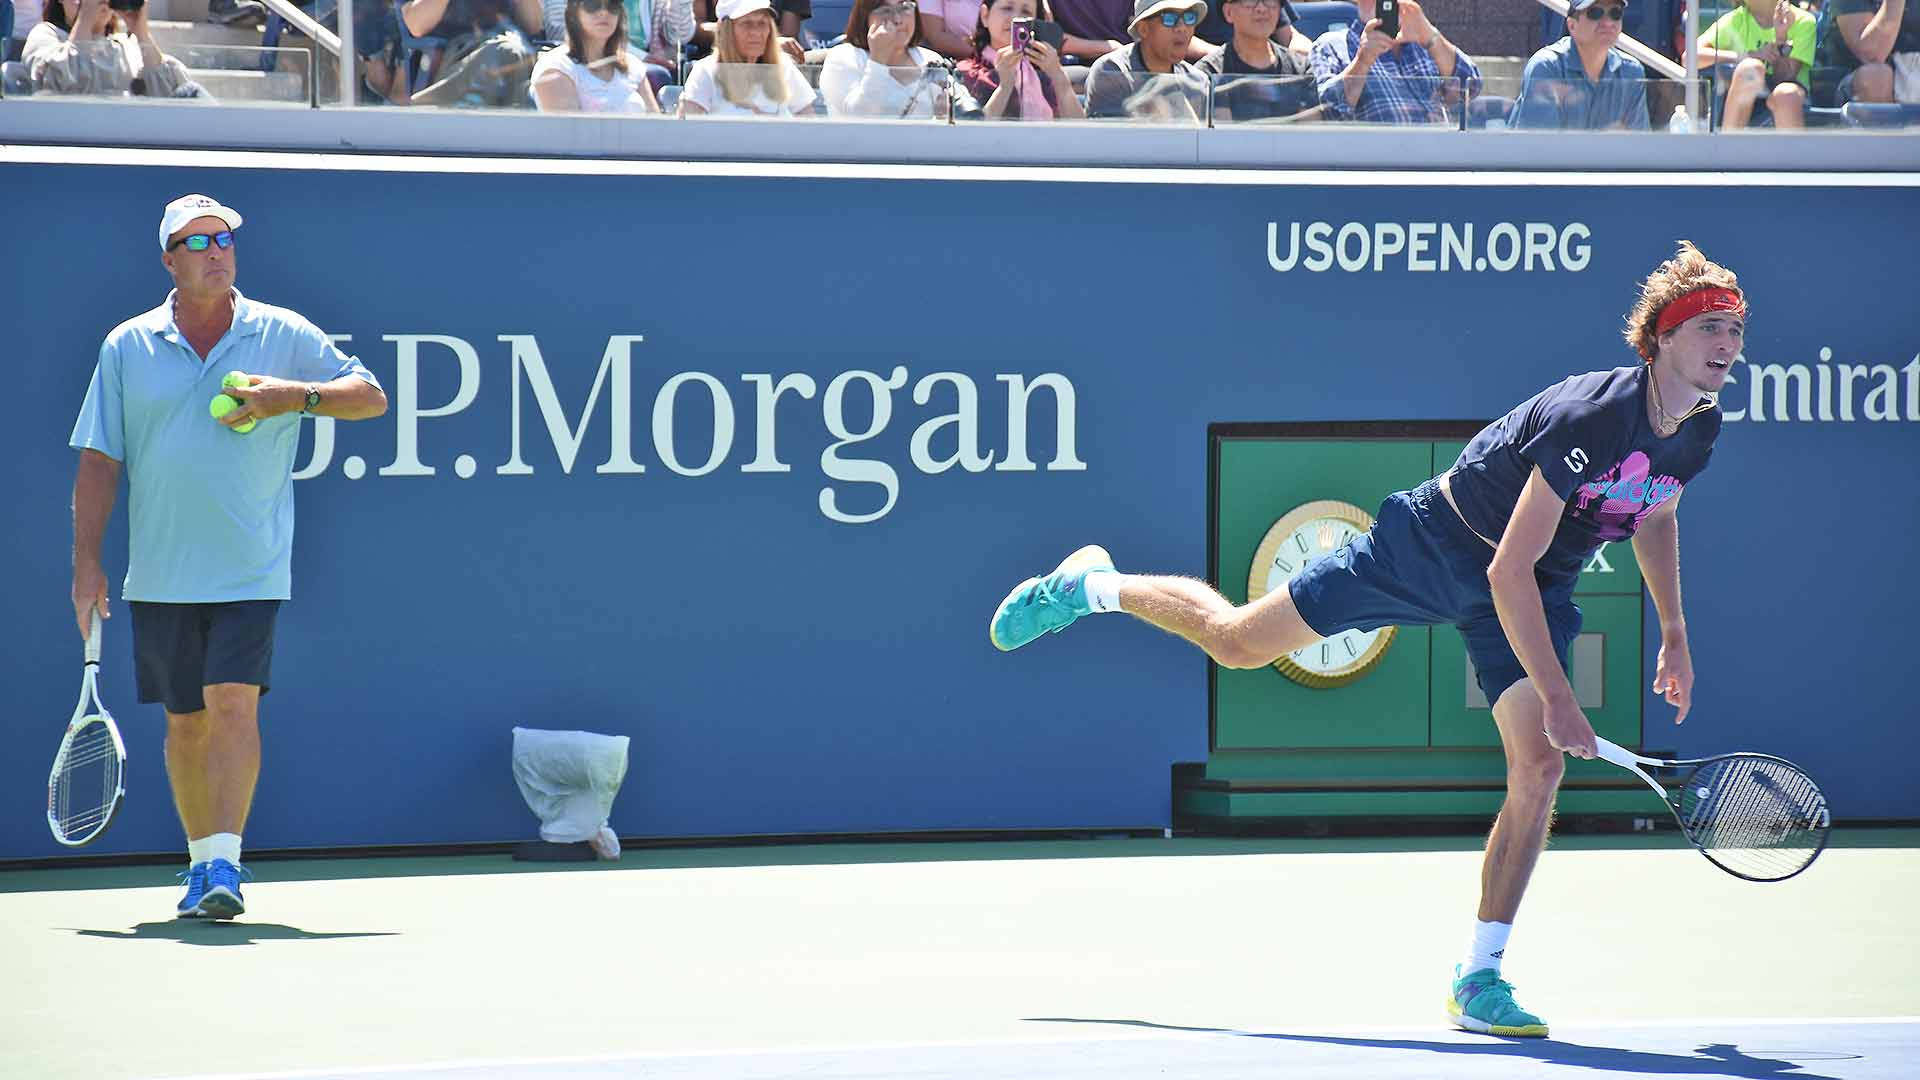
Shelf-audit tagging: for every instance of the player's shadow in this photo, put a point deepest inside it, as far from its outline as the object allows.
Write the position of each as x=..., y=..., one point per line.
x=1713, y=1059
x=221, y=932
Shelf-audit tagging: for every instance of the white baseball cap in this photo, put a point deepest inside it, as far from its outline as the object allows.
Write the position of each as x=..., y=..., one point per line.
x=733, y=9
x=186, y=208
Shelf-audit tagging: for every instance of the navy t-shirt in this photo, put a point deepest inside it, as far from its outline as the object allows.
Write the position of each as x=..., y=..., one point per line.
x=1594, y=444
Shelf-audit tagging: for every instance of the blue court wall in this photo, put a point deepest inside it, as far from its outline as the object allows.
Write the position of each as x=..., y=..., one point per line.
x=785, y=604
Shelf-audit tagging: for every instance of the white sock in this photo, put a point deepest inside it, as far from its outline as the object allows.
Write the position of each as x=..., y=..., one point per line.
x=222, y=845
x=1103, y=590
x=197, y=850
x=1489, y=946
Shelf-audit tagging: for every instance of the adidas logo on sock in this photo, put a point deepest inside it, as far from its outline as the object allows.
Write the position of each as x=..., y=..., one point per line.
x=1499, y=953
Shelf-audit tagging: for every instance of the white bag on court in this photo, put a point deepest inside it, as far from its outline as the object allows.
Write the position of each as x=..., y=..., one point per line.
x=569, y=779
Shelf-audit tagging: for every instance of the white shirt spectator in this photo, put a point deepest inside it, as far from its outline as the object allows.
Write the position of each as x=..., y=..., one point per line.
x=853, y=85
x=618, y=93
x=703, y=89
x=98, y=66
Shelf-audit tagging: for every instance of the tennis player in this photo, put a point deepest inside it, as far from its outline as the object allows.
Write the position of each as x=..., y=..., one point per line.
x=1493, y=546
x=210, y=516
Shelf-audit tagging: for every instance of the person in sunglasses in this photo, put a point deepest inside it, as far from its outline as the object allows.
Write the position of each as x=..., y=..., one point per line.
x=1255, y=76
x=1583, y=81
x=1363, y=74
x=209, y=516
x=1152, y=79
x=591, y=70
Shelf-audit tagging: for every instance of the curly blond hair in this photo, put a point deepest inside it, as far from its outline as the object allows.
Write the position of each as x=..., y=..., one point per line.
x=1688, y=271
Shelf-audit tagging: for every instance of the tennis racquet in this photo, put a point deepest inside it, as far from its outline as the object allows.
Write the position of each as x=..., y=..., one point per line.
x=89, y=773
x=1755, y=816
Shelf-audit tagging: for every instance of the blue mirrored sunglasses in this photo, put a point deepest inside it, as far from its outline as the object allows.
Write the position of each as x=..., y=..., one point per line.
x=1171, y=19
x=202, y=241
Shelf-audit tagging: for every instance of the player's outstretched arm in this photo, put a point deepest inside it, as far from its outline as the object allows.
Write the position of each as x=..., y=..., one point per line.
x=1656, y=545
x=1523, y=615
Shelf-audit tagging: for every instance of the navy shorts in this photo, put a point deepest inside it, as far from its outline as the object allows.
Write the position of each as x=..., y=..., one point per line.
x=180, y=648
x=1421, y=566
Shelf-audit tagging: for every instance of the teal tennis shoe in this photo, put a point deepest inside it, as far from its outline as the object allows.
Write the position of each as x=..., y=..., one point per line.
x=1047, y=605
x=1482, y=1001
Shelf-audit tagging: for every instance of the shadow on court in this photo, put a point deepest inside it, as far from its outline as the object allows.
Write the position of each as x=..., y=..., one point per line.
x=220, y=933
x=1712, y=1059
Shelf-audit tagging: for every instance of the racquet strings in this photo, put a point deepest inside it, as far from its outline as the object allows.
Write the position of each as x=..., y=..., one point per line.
x=87, y=781
x=1757, y=817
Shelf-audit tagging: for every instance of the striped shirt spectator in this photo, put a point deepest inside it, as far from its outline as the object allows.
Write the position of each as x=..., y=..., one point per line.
x=1406, y=84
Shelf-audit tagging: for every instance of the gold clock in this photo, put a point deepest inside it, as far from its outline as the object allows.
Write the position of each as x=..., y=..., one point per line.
x=1302, y=534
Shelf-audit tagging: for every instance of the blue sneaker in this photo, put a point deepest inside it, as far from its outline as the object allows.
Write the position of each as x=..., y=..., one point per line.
x=1046, y=605
x=195, y=877
x=1482, y=1001
x=222, y=899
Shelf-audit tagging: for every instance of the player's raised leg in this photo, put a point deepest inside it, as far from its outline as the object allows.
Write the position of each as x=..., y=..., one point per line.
x=1481, y=1000
x=1086, y=582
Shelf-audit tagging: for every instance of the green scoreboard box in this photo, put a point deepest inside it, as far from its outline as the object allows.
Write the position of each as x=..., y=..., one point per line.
x=1389, y=725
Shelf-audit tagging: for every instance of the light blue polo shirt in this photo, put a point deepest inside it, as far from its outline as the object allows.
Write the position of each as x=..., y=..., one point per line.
x=1556, y=93
x=210, y=512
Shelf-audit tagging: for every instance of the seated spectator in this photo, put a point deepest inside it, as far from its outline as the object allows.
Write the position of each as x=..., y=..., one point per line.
x=591, y=69
x=948, y=26
x=789, y=15
x=1274, y=80
x=1582, y=82
x=1012, y=84
x=749, y=73
x=86, y=47
x=1365, y=75
x=1770, y=45
x=881, y=70
x=1868, y=36
x=1215, y=30
x=668, y=24
x=488, y=58
x=1151, y=78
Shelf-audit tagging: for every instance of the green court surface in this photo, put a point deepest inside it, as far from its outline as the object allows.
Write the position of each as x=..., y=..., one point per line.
x=726, y=955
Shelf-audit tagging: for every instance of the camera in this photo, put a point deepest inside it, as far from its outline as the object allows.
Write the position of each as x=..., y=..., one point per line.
x=1027, y=30
x=126, y=5
x=1022, y=33
x=1389, y=15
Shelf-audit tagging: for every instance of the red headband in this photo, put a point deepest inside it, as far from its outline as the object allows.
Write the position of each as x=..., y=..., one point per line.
x=1697, y=302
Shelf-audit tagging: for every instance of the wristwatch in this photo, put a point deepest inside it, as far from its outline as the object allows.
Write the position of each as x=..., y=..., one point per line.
x=313, y=399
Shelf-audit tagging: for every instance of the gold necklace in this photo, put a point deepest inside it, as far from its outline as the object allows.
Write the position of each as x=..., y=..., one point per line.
x=1664, y=424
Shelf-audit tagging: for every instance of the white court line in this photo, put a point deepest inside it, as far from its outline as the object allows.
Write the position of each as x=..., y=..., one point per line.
x=260, y=159
x=1123, y=1032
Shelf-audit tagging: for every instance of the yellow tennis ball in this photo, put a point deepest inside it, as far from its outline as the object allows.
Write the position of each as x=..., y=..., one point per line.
x=235, y=378
x=221, y=405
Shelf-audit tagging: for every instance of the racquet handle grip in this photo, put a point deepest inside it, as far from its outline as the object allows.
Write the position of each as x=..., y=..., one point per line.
x=1619, y=755
x=93, y=638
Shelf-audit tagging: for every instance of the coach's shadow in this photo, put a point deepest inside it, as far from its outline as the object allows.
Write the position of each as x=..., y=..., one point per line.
x=222, y=932
x=1713, y=1059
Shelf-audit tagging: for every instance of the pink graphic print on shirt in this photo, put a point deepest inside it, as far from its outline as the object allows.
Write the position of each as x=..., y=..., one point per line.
x=1625, y=495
